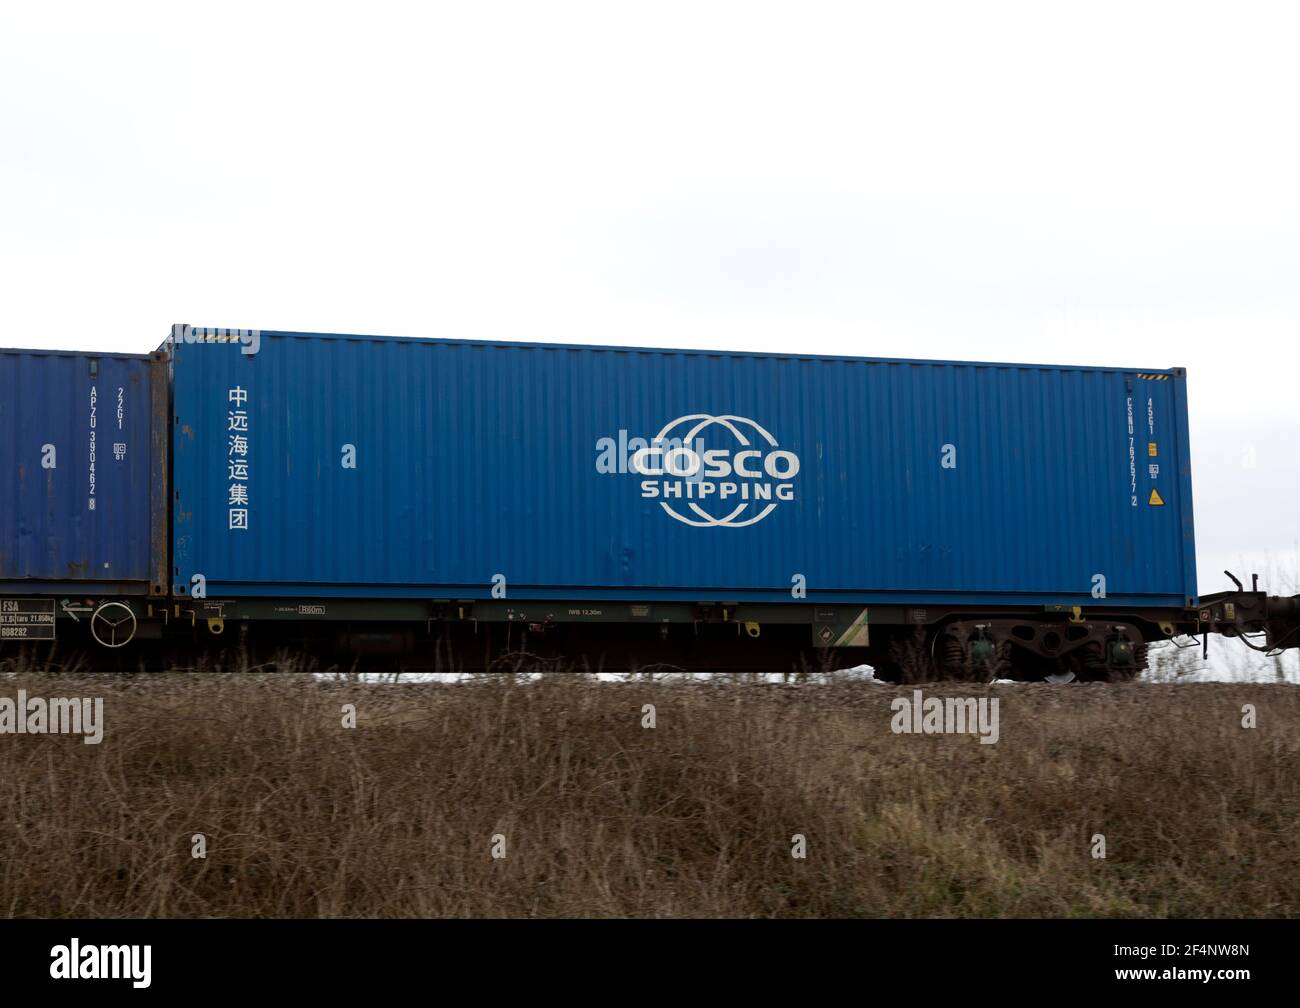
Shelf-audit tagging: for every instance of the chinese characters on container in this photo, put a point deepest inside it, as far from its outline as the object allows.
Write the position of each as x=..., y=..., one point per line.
x=237, y=457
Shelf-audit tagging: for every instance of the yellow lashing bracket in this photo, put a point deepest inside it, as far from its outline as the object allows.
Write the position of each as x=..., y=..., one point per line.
x=216, y=625
x=752, y=628
x=1076, y=614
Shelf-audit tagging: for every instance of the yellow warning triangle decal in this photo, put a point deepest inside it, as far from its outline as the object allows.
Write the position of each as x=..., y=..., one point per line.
x=1155, y=497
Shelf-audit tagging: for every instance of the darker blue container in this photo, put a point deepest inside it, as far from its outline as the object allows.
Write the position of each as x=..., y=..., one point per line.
x=82, y=473
x=311, y=465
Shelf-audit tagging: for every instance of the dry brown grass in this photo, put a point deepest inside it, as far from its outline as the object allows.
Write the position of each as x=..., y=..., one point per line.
x=602, y=817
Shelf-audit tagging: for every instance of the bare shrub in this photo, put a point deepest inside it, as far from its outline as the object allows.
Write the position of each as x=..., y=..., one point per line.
x=604, y=817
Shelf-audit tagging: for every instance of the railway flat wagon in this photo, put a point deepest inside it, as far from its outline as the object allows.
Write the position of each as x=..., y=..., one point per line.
x=845, y=500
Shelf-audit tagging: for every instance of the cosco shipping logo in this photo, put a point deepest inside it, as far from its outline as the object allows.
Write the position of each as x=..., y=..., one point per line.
x=707, y=471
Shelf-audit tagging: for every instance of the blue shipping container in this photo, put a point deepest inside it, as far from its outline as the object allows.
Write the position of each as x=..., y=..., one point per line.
x=367, y=467
x=82, y=473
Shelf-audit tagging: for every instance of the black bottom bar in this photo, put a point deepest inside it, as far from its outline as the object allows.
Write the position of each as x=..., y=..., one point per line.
x=1225, y=957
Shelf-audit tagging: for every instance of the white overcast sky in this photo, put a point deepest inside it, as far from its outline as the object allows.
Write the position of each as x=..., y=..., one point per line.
x=1089, y=183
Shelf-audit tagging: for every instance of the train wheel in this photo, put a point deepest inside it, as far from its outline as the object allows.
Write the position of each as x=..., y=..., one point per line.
x=1131, y=672
x=1089, y=663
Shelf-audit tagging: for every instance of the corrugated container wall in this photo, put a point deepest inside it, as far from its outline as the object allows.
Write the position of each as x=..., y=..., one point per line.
x=82, y=472
x=370, y=467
